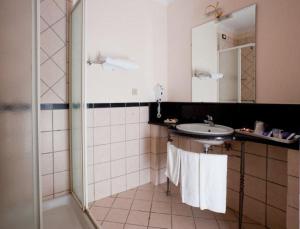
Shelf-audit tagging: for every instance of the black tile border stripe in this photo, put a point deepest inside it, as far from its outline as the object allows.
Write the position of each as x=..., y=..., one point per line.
x=61, y=106
x=54, y=106
x=116, y=105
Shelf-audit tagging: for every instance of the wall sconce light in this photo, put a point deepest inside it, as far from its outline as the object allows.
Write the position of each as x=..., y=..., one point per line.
x=214, y=9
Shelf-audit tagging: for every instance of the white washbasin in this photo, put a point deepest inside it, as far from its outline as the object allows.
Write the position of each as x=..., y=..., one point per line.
x=205, y=129
x=215, y=132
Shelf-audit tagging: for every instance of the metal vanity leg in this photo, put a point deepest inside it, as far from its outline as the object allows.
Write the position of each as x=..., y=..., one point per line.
x=168, y=186
x=242, y=185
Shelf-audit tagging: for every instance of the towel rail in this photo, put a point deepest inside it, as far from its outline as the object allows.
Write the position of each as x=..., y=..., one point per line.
x=242, y=180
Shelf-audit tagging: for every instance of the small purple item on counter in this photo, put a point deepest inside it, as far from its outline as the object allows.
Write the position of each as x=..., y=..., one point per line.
x=285, y=134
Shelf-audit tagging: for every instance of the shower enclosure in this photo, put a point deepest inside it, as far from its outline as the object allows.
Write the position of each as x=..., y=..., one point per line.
x=20, y=188
x=78, y=106
x=19, y=166
x=238, y=66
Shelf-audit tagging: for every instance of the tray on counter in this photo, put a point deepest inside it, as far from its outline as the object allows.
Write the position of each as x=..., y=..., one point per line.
x=295, y=139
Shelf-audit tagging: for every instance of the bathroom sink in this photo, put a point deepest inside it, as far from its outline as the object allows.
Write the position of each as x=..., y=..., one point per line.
x=212, y=135
x=205, y=129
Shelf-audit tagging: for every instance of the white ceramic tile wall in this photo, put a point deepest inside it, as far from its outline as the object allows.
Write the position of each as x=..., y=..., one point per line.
x=54, y=153
x=119, y=150
x=53, y=32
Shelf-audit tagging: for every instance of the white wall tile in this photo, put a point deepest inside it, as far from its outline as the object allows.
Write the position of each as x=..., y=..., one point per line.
x=47, y=185
x=117, y=116
x=118, y=133
x=90, y=117
x=61, y=161
x=132, y=180
x=91, y=193
x=102, y=117
x=117, y=150
x=61, y=140
x=132, y=131
x=144, y=114
x=144, y=130
x=91, y=179
x=132, y=164
x=60, y=119
x=132, y=148
x=145, y=145
x=46, y=120
x=101, y=153
x=118, y=168
x=47, y=163
x=145, y=161
x=90, y=155
x=132, y=114
x=90, y=136
x=101, y=135
x=144, y=176
x=102, y=171
x=46, y=142
x=50, y=11
x=118, y=184
x=102, y=189
x=61, y=182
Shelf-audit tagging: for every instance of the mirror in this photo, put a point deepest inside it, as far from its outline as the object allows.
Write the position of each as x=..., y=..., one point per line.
x=223, y=58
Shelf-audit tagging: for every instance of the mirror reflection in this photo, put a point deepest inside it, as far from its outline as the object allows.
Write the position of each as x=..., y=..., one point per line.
x=223, y=58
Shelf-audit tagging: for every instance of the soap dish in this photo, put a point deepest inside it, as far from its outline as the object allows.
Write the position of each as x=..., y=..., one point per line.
x=171, y=121
x=252, y=134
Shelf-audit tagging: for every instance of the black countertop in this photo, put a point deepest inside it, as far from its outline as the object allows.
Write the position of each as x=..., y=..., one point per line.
x=235, y=136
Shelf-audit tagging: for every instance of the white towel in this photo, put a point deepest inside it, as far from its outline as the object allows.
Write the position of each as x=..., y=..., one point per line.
x=190, y=178
x=213, y=182
x=173, y=163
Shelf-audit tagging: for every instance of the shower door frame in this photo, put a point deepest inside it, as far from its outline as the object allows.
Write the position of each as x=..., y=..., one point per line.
x=239, y=70
x=82, y=203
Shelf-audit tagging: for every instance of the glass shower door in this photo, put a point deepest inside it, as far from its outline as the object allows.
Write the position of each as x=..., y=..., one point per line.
x=19, y=170
x=229, y=85
x=77, y=104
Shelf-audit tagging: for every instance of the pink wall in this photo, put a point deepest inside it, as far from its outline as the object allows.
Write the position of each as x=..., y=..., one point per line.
x=278, y=49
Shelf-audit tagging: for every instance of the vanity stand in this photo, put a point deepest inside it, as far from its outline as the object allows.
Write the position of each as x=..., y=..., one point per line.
x=242, y=180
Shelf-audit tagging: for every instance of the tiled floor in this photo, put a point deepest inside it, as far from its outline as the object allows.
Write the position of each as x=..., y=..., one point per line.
x=148, y=207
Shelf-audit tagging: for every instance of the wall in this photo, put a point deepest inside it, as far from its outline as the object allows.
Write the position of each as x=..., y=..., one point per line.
x=278, y=50
x=118, y=150
x=54, y=153
x=54, y=89
x=53, y=35
x=134, y=29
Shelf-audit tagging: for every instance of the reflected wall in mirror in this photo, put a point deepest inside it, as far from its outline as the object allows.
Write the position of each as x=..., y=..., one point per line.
x=223, y=58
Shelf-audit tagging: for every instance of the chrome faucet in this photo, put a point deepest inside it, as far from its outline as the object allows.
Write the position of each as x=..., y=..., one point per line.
x=209, y=120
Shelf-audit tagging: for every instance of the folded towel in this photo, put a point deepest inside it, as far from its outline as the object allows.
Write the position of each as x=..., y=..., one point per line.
x=213, y=182
x=190, y=178
x=173, y=163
